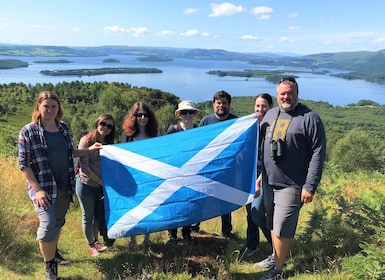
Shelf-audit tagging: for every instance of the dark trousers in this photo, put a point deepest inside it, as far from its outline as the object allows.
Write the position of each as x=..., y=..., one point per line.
x=226, y=224
x=186, y=230
x=252, y=233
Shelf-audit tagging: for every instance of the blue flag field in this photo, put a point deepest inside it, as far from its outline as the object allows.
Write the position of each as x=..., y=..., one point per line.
x=179, y=179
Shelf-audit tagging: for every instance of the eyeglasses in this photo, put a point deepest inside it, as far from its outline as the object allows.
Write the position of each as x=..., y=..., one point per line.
x=140, y=115
x=104, y=124
x=290, y=79
x=185, y=112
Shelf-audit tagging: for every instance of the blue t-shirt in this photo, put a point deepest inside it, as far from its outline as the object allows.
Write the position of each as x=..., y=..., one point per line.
x=210, y=119
x=58, y=157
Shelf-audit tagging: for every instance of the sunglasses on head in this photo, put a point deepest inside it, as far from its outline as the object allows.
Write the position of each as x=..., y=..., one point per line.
x=185, y=112
x=290, y=79
x=140, y=115
x=104, y=124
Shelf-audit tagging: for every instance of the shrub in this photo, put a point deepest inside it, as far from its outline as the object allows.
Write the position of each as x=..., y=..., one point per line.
x=356, y=151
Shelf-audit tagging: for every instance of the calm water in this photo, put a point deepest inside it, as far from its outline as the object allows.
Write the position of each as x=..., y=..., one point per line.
x=187, y=79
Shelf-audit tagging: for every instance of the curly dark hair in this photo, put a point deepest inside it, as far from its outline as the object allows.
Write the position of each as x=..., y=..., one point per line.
x=130, y=125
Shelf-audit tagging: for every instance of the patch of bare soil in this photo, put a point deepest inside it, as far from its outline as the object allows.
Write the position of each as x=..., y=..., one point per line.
x=200, y=256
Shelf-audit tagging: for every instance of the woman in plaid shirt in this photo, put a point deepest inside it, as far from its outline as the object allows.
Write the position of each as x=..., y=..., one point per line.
x=46, y=159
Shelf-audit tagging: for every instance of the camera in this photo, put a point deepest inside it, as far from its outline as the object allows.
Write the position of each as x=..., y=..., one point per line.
x=276, y=148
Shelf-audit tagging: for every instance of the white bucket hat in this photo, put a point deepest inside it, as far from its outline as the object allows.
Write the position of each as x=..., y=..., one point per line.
x=186, y=105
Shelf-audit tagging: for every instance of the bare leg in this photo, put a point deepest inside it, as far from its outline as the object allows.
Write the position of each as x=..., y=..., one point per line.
x=48, y=249
x=281, y=247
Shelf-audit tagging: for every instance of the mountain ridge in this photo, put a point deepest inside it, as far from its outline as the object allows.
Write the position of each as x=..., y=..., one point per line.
x=367, y=65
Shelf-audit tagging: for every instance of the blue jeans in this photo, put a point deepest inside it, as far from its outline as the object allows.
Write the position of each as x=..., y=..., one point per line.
x=252, y=233
x=90, y=202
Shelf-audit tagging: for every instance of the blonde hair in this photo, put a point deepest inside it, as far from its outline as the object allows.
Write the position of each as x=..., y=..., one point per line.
x=44, y=95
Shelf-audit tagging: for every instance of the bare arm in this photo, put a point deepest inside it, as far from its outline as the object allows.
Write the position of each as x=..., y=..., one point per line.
x=85, y=151
x=43, y=199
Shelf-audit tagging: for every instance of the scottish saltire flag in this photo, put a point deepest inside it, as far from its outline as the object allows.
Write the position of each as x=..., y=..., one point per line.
x=179, y=179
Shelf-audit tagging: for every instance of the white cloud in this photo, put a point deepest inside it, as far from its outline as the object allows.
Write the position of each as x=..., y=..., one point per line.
x=164, y=33
x=293, y=27
x=76, y=29
x=3, y=25
x=248, y=37
x=139, y=31
x=115, y=29
x=262, y=12
x=286, y=39
x=293, y=15
x=190, y=11
x=190, y=33
x=225, y=9
x=205, y=34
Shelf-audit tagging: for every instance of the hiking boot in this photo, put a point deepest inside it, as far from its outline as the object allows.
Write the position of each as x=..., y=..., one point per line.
x=273, y=274
x=60, y=259
x=93, y=252
x=99, y=246
x=51, y=270
x=266, y=263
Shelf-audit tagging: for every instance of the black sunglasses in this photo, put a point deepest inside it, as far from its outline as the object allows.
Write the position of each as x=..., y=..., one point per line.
x=290, y=79
x=140, y=115
x=104, y=124
x=185, y=112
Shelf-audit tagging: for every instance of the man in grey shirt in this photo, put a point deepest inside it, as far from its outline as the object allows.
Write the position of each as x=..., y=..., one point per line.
x=293, y=154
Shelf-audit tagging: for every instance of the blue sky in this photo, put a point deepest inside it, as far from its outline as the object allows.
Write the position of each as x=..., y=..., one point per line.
x=278, y=26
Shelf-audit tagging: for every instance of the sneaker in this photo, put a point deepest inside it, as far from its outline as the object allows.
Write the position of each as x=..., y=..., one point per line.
x=60, y=259
x=266, y=263
x=99, y=246
x=109, y=242
x=273, y=274
x=230, y=235
x=249, y=252
x=92, y=251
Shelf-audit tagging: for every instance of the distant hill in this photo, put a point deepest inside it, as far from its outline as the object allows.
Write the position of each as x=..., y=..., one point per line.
x=365, y=65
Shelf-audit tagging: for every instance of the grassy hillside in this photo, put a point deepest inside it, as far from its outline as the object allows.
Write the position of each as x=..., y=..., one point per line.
x=330, y=230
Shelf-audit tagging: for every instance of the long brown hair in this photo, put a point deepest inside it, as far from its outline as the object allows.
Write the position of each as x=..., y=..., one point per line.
x=44, y=95
x=109, y=138
x=130, y=124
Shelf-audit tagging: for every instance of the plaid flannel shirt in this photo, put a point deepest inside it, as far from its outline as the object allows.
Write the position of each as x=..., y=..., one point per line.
x=33, y=152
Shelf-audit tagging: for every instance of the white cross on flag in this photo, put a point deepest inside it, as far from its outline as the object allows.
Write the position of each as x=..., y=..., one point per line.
x=179, y=179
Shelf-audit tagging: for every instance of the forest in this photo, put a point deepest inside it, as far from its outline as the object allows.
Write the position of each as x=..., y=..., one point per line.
x=341, y=235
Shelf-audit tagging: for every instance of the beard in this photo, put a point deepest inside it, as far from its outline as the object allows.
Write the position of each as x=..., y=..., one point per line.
x=221, y=112
x=287, y=107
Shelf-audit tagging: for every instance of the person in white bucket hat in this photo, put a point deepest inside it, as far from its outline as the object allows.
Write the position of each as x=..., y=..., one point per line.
x=186, y=112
